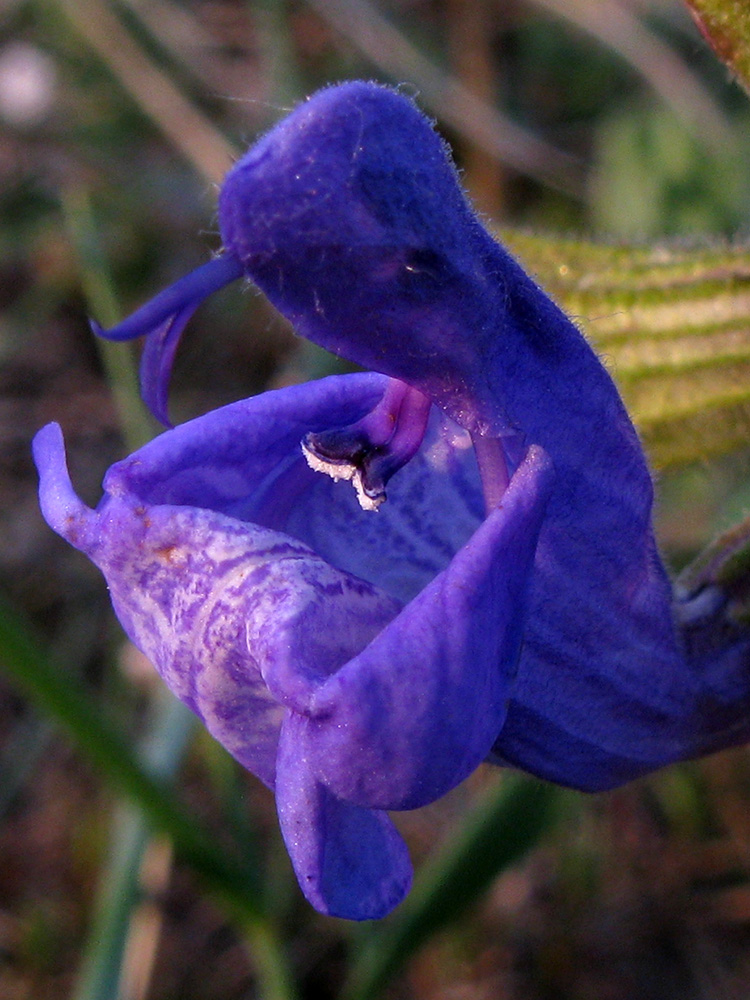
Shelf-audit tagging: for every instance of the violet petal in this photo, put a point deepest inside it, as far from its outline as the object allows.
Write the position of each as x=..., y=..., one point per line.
x=157, y=359
x=350, y=862
x=186, y=581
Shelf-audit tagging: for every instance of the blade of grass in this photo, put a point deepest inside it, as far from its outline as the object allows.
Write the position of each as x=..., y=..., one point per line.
x=507, y=822
x=50, y=687
x=53, y=690
x=146, y=921
x=98, y=289
x=184, y=125
x=100, y=974
x=101, y=971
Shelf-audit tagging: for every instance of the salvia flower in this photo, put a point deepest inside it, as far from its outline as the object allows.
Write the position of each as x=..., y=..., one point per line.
x=507, y=602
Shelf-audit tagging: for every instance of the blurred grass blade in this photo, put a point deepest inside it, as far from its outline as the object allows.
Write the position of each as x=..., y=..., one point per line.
x=672, y=325
x=726, y=25
x=503, y=827
x=119, y=360
x=184, y=125
x=449, y=98
x=170, y=729
x=624, y=32
x=53, y=690
x=101, y=970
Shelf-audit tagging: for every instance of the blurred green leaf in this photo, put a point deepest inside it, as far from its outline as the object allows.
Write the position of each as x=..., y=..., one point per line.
x=506, y=823
x=726, y=25
x=155, y=91
x=52, y=689
x=672, y=325
x=654, y=178
x=171, y=726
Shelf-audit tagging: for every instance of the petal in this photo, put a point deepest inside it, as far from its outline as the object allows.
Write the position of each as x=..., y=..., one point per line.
x=313, y=620
x=245, y=460
x=229, y=459
x=157, y=359
x=624, y=700
x=61, y=508
x=419, y=708
x=184, y=582
x=350, y=862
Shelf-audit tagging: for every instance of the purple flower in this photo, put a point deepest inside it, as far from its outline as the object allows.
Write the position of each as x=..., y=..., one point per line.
x=506, y=602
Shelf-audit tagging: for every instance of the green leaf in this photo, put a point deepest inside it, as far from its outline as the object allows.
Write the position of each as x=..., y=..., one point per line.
x=726, y=26
x=170, y=728
x=672, y=324
x=507, y=822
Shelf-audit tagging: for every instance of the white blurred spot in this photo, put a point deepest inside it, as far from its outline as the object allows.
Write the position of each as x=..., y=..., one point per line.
x=28, y=81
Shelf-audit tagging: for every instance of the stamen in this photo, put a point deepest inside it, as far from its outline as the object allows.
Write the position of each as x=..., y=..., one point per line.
x=163, y=319
x=493, y=468
x=371, y=451
x=192, y=288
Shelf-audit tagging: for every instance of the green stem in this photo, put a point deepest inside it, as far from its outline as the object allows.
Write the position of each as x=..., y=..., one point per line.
x=170, y=730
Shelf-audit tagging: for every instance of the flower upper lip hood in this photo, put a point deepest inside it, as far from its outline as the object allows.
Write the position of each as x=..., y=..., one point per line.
x=507, y=601
x=373, y=219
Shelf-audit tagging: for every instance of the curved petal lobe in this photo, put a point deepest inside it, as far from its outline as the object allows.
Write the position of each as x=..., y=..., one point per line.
x=157, y=360
x=350, y=862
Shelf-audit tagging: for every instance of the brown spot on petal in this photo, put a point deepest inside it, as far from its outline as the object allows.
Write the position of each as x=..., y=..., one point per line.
x=167, y=553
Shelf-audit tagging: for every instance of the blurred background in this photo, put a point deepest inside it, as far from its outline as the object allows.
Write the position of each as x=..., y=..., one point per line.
x=605, y=119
